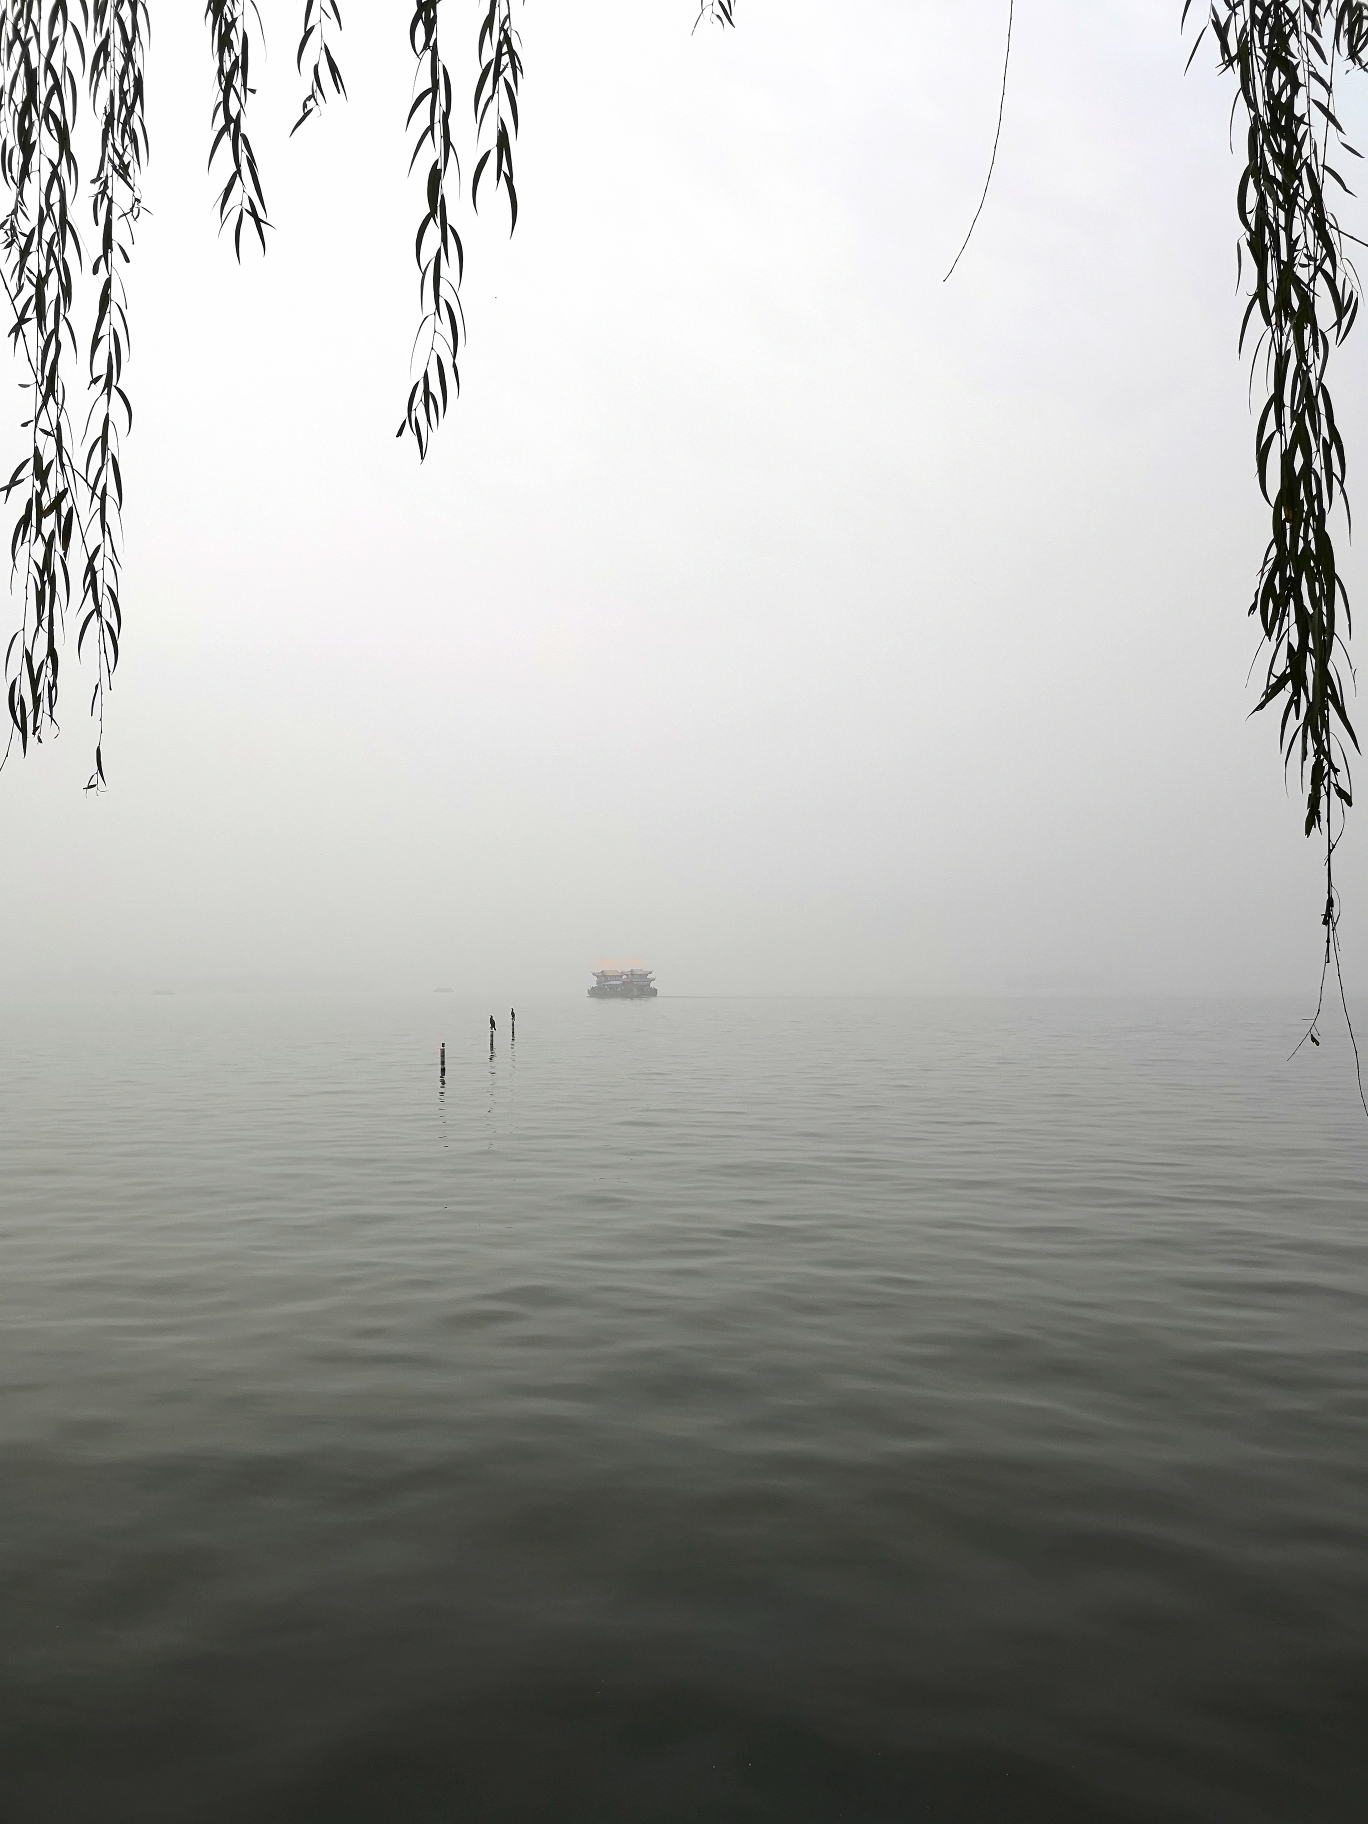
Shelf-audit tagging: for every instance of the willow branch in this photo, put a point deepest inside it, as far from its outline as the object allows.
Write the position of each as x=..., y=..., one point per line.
x=322, y=23
x=437, y=247
x=241, y=201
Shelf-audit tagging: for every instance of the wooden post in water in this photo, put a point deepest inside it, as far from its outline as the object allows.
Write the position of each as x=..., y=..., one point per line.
x=443, y=1078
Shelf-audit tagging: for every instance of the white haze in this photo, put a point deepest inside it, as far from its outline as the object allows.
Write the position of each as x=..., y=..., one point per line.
x=767, y=608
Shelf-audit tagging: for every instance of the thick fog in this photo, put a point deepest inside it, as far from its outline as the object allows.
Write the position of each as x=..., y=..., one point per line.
x=767, y=609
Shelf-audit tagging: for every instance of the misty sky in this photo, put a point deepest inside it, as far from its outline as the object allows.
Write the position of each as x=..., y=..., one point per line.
x=767, y=609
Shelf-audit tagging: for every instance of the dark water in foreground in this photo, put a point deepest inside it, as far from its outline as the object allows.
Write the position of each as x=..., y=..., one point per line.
x=718, y=1410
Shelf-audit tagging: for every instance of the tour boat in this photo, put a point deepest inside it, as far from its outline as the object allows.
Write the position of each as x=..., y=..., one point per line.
x=614, y=984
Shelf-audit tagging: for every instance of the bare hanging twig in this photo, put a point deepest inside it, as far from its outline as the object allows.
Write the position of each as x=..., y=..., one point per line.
x=997, y=139
x=1330, y=919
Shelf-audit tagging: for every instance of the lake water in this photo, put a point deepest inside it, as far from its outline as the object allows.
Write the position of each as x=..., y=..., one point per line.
x=705, y=1409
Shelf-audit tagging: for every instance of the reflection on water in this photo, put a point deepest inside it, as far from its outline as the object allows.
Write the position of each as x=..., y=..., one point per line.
x=774, y=1410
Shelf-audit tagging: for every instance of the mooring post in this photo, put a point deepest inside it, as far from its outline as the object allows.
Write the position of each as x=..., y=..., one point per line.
x=444, y=1060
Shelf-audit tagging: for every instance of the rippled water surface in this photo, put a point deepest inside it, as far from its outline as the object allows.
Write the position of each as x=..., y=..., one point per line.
x=709, y=1409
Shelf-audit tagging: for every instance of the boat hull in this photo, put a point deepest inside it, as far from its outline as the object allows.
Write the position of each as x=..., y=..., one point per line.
x=626, y=993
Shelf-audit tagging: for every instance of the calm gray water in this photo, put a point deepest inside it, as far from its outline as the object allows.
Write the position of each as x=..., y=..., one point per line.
x=710, y=1409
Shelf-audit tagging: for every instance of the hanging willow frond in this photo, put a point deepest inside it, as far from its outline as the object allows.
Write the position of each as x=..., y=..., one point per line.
x=1303, y=303
x=437, y=247
x=241, y=199
x=321, y=18
x=43, y=50
x=496, y=101
x=117, y=101
x=68, y=497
